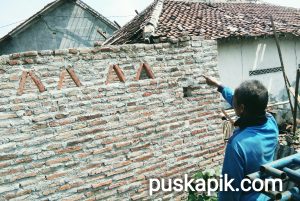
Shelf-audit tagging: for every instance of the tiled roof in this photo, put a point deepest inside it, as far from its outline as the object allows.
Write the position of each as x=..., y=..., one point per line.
x=212, y=21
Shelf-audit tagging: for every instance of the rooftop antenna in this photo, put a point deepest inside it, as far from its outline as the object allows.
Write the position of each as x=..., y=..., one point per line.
x=102, y=34
x=117, y=24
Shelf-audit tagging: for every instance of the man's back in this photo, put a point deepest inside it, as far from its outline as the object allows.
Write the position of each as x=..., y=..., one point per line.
x=251, y=145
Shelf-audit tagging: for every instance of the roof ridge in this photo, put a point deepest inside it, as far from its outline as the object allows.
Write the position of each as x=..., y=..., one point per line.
x=151, y=25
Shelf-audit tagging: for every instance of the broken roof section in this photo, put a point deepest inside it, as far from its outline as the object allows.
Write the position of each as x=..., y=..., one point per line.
x=50, y=7
x=209, y=20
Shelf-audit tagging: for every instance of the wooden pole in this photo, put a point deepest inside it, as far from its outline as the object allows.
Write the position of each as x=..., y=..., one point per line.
x=287, y=83
x=296, y=102
x=227, y=116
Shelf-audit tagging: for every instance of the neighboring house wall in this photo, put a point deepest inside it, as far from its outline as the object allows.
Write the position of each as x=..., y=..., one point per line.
x=67, y=26
x=236, y=58
x=105, y=141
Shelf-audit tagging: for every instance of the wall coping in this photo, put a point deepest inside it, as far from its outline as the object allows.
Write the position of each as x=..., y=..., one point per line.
x=24, y=58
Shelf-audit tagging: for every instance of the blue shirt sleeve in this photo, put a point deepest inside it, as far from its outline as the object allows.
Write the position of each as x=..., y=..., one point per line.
x=233, y=168
x=227, y=93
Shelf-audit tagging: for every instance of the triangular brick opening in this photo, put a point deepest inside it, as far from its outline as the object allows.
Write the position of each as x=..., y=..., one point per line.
x=115, y=73
x=144, y=72
x=34, y=78
x=70, y=71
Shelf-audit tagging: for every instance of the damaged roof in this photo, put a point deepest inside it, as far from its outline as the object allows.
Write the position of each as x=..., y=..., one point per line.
x=209, y=20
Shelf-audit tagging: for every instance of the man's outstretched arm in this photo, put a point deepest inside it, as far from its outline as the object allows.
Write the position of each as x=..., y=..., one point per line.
x=227, y=92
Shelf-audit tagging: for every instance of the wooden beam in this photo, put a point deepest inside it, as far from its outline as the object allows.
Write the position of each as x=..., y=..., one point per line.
x=227, y=116
x=296, y=101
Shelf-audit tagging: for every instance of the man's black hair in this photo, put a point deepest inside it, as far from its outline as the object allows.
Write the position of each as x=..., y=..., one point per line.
x=254, y=95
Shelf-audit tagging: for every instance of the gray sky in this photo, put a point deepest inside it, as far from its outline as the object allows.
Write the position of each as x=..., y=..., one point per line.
x=13, y=12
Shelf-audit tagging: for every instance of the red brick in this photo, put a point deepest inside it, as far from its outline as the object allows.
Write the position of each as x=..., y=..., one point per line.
x=55, y=175
x=103, y=150
x=61, y=79
x=122, y=164
x=151, y=168
x=80, y=141
x=74, y=198
x=68, y=150
x=117, y=184
x=146, y=94
x=98, y=122
x=65, y=187
x=92, y=131
x=7, y=157
x=123, y=144
x=73, y=51
x=183, y=157
x=74, y=77
x=58, y=160
x=85, y=118
x=23, y=160
x=138, y=148
x=103, y=183
x=37, y=81
x=60, y=116
x=5, y=164
x=29, y=61
x=115, y=172
x=174, y=126
x=106, y=49
x=195, y=132
x=24, y=175
x=14, y=62
x=143, y=157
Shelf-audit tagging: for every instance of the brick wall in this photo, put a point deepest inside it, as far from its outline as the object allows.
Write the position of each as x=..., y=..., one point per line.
x=74, y=129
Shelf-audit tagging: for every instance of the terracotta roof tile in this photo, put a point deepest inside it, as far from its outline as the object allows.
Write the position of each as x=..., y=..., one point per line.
x=132, y=32
x=212, y=21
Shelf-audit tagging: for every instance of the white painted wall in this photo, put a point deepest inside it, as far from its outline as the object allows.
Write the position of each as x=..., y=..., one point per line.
x=237, y=57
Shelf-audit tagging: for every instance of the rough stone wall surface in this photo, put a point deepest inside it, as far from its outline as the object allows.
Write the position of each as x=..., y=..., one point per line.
x=104, y=139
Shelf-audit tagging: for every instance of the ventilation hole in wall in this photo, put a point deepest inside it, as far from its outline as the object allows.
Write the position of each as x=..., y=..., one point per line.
x=187, y=92
x=144, y=75
x=115, y=74
x=144, y=72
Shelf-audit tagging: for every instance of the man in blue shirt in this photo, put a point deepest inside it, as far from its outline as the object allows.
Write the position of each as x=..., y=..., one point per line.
x=253, y=142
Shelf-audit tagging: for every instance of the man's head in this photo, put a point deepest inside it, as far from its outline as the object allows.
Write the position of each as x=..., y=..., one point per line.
x=250, y=98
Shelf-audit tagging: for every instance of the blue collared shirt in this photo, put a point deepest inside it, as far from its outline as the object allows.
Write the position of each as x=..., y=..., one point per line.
x=246, y=151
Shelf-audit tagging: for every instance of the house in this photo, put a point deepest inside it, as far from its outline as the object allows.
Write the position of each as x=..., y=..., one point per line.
x=59, y=25
x=246, y=45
